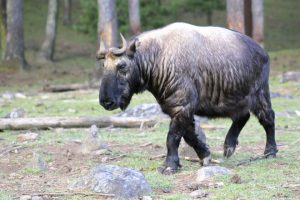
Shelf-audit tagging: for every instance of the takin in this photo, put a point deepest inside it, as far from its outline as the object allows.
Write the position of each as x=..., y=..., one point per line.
x=192, y=70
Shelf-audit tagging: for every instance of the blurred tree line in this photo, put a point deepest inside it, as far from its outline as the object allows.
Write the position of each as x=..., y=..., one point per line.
x=153, y=14
x=104, y=19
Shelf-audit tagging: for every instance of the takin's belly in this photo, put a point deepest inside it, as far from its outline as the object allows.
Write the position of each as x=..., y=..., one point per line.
x=229, y=108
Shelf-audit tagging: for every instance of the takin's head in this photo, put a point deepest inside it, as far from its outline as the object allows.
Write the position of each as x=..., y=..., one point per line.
x=120, y=76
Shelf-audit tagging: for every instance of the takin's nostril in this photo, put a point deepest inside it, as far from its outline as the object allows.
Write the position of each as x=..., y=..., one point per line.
x=107, y=103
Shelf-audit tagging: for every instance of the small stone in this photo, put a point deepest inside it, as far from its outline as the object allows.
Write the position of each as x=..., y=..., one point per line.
x=198, y=194
x=94, y=130
x=236, y=179
x=36, y=198
x=101, y=152
x=146, y=198
x=65, y=169
x=44, y=97
x=39, y=104
x=219, y=184
x=104, y=159
x=16, y=113
x=37, y=162
x=72, y=110
x=25, y=197
x=20, y=95
x=27, y=136
x=207, y=172
x=90, y=143
x=8, y=96
x=166, y=190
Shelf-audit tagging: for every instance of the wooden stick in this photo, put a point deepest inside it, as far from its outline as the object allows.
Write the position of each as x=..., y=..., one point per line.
x=158, y=157
x=69, y=194
x=212, y=161
x=212, y=127
x=252, y=159
x=73, y=122
x=10, y=149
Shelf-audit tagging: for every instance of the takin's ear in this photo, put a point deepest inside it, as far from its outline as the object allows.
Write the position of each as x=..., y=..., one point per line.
x=133, y=45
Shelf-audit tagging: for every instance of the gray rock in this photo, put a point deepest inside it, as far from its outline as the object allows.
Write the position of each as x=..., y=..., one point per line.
x=94, y=130
x=287, y=113
x=8, y=96
x=91, y=142
x=36, y=198
x=25, y=197
x=20, y=95
x=207, y=172
x=146, y=198
x=123, y=182
x=278, y=95
x=27, y=136
x=151, y=110
x=144, y=110
x=290, y=76
x=16, y=113
x=38, y=162
x=197, y=194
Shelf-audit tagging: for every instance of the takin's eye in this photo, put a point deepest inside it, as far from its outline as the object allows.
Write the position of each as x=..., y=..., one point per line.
x=122, y=68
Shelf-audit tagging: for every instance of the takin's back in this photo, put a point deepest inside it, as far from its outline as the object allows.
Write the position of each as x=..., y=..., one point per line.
x=215, y=57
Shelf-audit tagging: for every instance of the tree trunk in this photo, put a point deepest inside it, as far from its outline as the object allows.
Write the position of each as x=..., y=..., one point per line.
x=239, y=16
x=258, y=21
x=107, y=33
x=248, y=17
x=47, y=50
x=67, y=12
x=15, y=34
x=108, y=23
x=74, y=122
x=209, y=15
x=3, y=28
x=134, y=16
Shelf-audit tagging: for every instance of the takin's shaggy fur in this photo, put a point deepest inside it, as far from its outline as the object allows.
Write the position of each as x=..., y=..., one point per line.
x=206, y=71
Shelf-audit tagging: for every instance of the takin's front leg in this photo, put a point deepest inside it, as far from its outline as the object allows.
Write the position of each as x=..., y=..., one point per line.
x=175, y=134
x=183, y=127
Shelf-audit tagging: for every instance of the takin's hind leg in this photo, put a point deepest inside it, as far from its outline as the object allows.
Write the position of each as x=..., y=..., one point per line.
x=231, y=139
x=265, y=114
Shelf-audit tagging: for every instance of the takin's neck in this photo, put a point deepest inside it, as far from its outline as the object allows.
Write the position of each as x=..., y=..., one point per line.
x=149, y=66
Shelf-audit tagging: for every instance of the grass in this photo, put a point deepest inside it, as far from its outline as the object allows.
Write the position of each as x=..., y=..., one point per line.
x=260, y=180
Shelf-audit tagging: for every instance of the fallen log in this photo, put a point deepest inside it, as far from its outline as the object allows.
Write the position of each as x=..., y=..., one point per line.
x=74, y=122
x=65, y=88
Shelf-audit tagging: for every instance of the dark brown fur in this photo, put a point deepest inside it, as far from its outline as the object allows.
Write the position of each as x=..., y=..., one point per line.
x=191, y=70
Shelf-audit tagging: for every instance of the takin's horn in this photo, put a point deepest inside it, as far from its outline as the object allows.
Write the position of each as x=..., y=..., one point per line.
x=118, y=52
x=102, y=51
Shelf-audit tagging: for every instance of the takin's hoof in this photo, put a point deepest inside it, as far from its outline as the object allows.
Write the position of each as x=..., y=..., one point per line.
x=228, y=150
x=165, y=170
x=270, y=152
x=270, y=156
x=206, y=161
